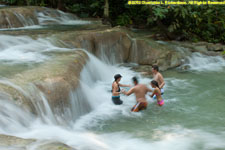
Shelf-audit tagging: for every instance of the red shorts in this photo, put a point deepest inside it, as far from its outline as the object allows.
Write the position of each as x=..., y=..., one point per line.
x=139, y=106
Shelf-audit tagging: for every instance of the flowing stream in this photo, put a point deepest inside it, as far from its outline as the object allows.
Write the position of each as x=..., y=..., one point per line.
x=191, y=119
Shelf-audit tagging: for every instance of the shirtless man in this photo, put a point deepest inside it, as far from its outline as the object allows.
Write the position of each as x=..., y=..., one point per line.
x=158, y=77
x=140, y=90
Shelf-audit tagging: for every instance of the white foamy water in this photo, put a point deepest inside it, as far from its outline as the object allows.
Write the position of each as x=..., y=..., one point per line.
x=91, y=106
x=23, y=49
x=96, y=79
x=45, y=18
x=200, y=62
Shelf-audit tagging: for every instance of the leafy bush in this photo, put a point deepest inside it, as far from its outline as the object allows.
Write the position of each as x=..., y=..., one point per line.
x=123, y=20
x=206, y=22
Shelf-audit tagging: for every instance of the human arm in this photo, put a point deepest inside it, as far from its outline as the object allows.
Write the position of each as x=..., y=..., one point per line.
x=161, y=81
x=128, y=92
x=124, y=85
x=153, y=93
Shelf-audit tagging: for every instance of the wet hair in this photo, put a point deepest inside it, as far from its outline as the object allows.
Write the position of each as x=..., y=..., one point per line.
x=117, y=76
x=134, y=79
x=155, y=83
x=155, y=67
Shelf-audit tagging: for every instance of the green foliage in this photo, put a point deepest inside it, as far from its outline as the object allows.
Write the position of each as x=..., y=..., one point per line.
x=159, y=12
x=206, y=22
x=123, y=20
x=9, y=1
x=42, y=3
x=88, y=8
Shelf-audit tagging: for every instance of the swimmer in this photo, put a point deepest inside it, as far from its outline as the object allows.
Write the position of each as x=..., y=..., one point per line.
x=116, y=90
x=140, y=90
x=158, y=77
x=157, y=92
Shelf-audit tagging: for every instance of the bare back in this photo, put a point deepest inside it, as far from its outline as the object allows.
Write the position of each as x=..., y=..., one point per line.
x=140, y=91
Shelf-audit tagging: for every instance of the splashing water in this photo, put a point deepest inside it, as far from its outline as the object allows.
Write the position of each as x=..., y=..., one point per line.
x=23, y=49
x=200, y=62
x=45, y=18
x=186, y=121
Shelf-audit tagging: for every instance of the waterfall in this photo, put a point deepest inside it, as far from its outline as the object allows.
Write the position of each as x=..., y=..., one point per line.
x=134, y=51
x=49, y=17
x=80, y=102
x=23, y=49
x=200, y=62
x=44, y=95
x=26, y=21
x=37, y=18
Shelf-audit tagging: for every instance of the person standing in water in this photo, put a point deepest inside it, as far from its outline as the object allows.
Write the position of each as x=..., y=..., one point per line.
x=158, y=77
x=157, y=92
x=140, y=90
x=116, y=90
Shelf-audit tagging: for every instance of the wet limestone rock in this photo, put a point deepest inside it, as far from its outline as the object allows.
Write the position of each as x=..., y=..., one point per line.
x=16, y=143
x=18, y=17
x=203, y=47
x=117, y=45
x=152, y=53
x=216, y=47
x=54, y=146
x=17, y=95
x=55, y=79
x=110, y=43
x=58, y=87
x=15, y=17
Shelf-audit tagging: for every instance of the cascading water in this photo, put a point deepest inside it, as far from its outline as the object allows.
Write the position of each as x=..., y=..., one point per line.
x=21, y=49
x=58, y=17
x=38, y=19
x=192, y=117
x=101, y=125
x=199, y=62
x=23, y=20
x=110, y=127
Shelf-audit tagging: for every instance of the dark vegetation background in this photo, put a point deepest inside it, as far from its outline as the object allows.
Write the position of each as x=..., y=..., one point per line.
x=189, y=22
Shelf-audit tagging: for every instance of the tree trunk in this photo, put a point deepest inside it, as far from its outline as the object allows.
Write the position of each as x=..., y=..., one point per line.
x=60, y=5
x=28, y=2
x=106, y=9
x=54, y=3
x=105, y=19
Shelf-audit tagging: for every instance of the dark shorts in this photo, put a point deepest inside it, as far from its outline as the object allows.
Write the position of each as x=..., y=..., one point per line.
x=116, y=100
